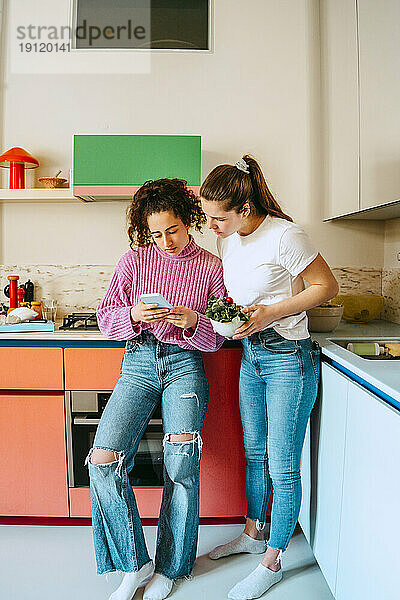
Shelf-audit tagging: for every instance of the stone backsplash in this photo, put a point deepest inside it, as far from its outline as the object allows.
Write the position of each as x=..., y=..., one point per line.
x=76, y=288
x=391, y=291
x=354, y=280
x=81, y=287
x=384, y=282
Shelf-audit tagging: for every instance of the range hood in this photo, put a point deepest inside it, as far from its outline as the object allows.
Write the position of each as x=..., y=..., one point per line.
x=112, y=167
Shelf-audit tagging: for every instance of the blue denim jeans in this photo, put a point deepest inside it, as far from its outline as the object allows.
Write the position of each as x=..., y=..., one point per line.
x=277, y=390
x=151, y=371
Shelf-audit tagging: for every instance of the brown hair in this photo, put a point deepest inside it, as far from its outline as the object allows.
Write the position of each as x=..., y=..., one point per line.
x=159, y=196
x=234, y=187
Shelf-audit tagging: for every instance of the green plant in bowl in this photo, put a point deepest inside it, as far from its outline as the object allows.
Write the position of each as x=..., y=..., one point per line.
x=225, y=315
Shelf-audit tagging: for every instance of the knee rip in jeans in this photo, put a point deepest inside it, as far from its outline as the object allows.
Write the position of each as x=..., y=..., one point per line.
x=183, y=439
x=191, y=395
x=118, y=458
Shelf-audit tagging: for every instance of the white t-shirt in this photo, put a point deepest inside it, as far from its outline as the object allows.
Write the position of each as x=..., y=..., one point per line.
x=263, y=268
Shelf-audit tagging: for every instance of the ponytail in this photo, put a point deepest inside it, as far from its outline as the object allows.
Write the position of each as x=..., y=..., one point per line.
x=234, y=185
x=264, y=202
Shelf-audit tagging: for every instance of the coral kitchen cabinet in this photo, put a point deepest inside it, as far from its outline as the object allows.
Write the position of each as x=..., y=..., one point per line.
x=37, y=476
x=33, y=473
x=222, y=482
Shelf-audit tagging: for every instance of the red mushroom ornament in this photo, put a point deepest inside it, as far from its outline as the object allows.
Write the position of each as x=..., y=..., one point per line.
x=17, y=160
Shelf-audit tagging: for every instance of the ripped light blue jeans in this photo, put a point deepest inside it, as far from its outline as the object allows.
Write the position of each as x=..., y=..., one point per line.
x=277, y=389
x=151, y=371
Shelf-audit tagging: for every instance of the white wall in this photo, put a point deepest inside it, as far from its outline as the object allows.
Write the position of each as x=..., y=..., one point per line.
x=257, y=93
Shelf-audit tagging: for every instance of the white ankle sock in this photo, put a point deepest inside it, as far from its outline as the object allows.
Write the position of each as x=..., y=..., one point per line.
x=132, y=581
x=243, y=543
x=158, y=588
x=255, y=584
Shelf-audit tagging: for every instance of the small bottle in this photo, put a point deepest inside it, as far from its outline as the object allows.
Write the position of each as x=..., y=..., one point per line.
x=37, y=307
x=364, y=348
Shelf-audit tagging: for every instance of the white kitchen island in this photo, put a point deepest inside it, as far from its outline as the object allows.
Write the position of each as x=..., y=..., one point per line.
x=350, y=469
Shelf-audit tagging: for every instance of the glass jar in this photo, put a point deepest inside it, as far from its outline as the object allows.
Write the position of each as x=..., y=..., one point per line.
x=37, y=307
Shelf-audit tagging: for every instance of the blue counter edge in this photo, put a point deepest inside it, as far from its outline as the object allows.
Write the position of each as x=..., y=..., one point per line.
x=365, y=384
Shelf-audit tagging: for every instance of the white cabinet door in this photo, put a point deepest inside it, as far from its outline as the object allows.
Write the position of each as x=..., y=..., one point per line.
x=368, y=565
x=328, y=472
x=379, y=52
x=340, y=131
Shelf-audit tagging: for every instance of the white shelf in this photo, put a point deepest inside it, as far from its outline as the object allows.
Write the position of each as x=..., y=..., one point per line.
x=384, y=212
x=38, y=195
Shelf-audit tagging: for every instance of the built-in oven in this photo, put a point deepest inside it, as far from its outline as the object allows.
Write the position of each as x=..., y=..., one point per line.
x=83, y=410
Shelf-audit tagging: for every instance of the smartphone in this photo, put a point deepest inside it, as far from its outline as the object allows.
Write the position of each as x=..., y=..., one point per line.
x=156, y=299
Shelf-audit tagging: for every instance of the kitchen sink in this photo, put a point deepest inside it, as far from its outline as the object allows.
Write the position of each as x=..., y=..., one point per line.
x=343, y=344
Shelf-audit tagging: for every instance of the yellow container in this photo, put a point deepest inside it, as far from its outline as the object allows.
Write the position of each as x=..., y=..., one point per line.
x=360, y=308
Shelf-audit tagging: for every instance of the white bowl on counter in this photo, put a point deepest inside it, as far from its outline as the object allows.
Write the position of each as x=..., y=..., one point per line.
x=226, y=329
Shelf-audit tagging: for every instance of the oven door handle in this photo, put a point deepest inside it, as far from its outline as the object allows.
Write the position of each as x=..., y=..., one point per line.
x=86, y=421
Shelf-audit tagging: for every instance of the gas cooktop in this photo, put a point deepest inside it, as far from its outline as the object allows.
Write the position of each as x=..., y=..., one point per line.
x=80, y=320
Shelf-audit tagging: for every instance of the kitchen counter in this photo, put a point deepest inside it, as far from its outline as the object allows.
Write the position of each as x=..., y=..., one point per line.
x=58, y=334
x=59, y=337
x=381, y=377
x=70, y=338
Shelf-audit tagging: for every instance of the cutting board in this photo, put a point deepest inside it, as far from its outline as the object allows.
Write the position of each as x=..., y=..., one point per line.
x=26, y=327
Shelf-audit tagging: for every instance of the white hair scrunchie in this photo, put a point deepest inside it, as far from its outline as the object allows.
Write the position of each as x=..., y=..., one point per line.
x=242, y=165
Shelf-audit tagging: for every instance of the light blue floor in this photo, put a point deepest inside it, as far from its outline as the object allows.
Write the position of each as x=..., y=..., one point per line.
x=46, y=563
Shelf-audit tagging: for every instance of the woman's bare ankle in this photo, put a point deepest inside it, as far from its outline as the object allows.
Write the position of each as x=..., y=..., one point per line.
x=272, y=559
x=252, y=531
x=272, y=567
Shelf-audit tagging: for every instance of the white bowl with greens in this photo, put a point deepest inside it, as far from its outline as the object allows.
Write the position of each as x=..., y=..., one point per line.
x=225, y=315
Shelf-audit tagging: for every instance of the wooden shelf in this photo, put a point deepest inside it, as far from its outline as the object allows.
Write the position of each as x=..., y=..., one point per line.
x=38, y=195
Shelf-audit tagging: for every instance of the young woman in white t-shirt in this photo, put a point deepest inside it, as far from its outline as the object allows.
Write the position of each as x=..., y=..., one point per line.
x=265, y=258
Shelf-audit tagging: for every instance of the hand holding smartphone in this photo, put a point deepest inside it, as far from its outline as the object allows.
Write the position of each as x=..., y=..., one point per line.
x=156, y=299
x=151, y=308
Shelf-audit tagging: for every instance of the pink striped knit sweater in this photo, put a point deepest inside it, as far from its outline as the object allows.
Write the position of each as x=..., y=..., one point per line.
x=187, y=279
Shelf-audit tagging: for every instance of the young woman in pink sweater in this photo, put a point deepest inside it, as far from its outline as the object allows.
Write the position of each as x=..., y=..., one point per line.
x=162, y=362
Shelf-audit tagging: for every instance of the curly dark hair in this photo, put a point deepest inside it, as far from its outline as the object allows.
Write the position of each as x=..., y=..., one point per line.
x=159, y=196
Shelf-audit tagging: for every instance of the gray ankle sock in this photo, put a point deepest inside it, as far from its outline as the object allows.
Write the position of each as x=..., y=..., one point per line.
x=243, y=543
x=255, y=584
